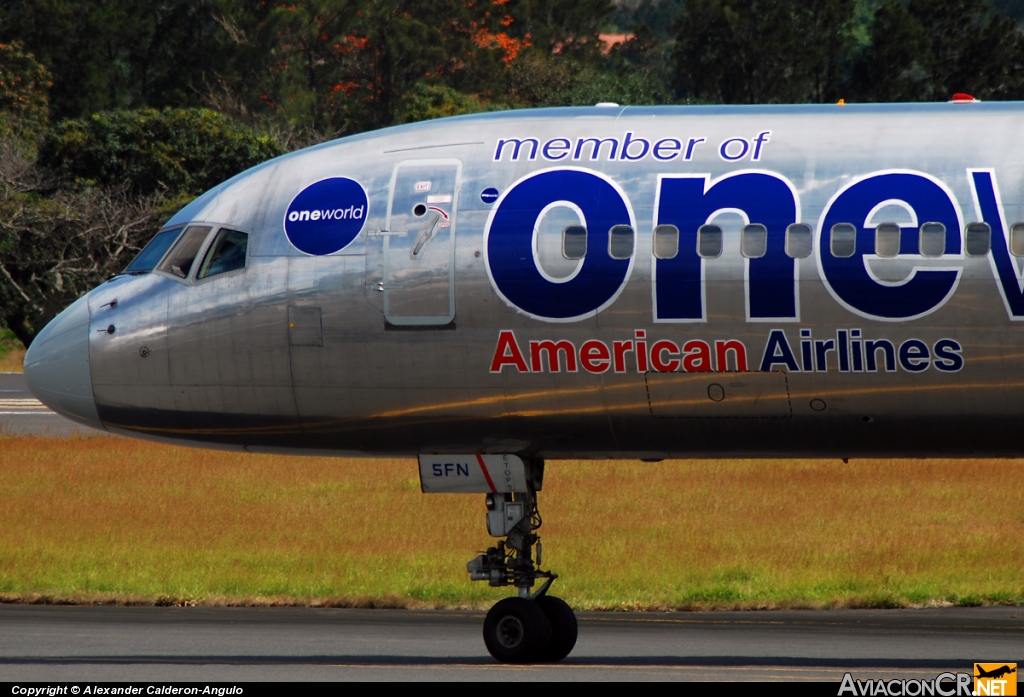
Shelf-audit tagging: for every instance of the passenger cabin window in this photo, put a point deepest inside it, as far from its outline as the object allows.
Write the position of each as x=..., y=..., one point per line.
x=843, y=241
x=1017, y=239
x=151, y=254
x=798, y=241
x=887, y=240
x=977, y=239
x=709, y=241
x=620, y=242
x=227, y=253
x=181, y=257
x=754, y=241
x=666, y=241
x=933, y=239
x=574, y=242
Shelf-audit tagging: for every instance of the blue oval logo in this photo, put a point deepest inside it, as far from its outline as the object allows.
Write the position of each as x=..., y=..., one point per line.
x=326, y=216
x=489, y=195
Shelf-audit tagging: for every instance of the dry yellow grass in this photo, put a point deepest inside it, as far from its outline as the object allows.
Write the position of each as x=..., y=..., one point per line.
x=114, y=520
x=10, y=362
x=12, y=352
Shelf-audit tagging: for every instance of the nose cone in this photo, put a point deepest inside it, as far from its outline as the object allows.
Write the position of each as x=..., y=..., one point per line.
x=57, y=366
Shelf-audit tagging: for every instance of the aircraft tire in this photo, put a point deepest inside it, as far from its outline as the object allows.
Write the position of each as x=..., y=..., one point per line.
x=516, y=630
x=563, y=628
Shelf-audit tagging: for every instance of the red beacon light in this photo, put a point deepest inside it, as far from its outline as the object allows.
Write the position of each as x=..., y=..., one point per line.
x=963, y=98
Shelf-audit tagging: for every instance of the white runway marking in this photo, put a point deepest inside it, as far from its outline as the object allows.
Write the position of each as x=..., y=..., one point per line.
x=18, y=407
x=21, y=403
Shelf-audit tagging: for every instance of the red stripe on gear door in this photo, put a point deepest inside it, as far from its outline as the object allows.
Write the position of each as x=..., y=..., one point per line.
x=487, y=475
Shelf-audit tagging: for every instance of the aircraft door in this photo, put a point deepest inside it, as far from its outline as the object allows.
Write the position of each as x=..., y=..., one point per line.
x=419, y=243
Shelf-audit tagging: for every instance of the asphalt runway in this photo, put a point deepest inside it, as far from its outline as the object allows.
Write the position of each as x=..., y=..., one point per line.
x=21, y=414
x=245, y=644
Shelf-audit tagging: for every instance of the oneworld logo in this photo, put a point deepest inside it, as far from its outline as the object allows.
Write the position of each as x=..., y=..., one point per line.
x=351, y=213
x=326, y=216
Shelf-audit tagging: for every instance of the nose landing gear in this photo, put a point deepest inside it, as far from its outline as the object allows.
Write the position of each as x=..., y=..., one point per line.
x=530, y=627
x=524, y=630
x=563, y=628
x=533, y=626
x=516, y=630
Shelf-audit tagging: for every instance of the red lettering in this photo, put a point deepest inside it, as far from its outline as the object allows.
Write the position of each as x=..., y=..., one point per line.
x=595, y=356
x=660, y=365
x=621, y=348
x=641, y=351
x=698, y=356
x=507, y=353
x=663, y=356
x=553, y=348
x=722, y=349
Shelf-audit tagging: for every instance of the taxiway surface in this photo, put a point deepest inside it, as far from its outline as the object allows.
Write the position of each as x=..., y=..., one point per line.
x=21, y=414
x=244, y=644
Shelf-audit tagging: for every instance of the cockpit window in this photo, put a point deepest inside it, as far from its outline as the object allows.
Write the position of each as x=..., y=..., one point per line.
x=227, y=253
x=179, y=260
x=152, y=252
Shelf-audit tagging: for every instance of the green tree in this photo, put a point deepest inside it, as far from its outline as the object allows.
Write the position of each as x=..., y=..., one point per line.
x=825, y=47
x=538, y=80
x=436, y=101
x=644, y=57
x=173, y=150
x=566, y=27
x=892, y=68
x=458, y=43
x=116, y=54
x=928, y=50
x=764, y=51
x=313, y=39
x=658, y=15
x=343, y=66
x=24, y=105
x=737, y=51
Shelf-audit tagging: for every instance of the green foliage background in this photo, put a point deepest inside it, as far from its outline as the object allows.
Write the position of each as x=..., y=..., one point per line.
x=179, y=150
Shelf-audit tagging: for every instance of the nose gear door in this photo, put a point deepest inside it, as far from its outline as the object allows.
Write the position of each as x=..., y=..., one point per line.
x=419, y=243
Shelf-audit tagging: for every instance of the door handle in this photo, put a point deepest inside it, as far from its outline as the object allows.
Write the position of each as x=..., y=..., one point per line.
x=426, y=234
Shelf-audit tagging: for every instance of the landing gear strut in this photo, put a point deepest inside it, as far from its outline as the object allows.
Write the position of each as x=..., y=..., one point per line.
x=534, y=626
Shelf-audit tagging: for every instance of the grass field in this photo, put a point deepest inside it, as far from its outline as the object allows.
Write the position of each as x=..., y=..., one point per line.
x=11, y=352
x=10, y=362
x=113, y=520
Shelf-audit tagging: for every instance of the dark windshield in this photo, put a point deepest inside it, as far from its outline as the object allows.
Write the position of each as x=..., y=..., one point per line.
x=179, y=259
x=153, y=252
x=227, y=253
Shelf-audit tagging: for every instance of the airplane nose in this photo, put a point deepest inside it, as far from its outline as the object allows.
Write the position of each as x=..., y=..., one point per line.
x=57, y=366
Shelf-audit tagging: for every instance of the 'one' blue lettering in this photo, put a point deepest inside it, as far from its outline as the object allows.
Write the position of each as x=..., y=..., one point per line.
x=848, y=278
x=1010, y=286
x=689, y=202
x=513, y=269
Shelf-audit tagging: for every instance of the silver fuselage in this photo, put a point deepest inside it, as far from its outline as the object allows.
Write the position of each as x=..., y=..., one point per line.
x=408, y=339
